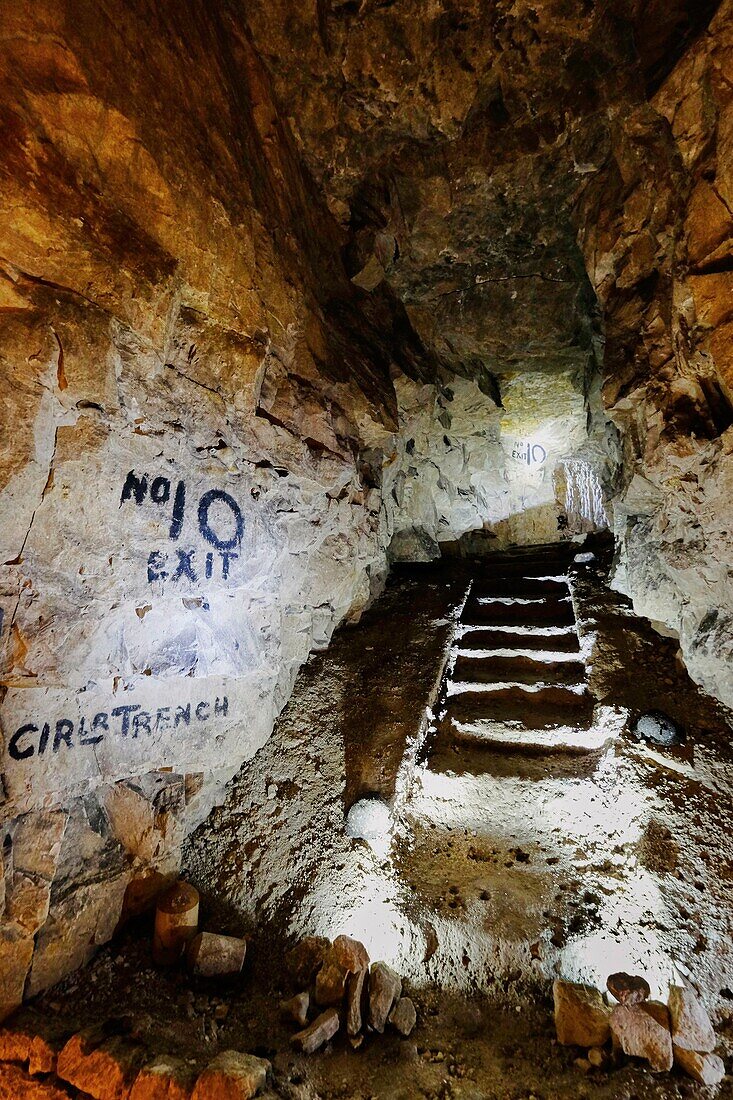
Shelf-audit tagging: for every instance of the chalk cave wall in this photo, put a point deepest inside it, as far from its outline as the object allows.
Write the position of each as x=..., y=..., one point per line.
x=615, y=118
x=656, y=229
x=204, y=455
x=212, y=433
x=468, y=464
x=193, y=430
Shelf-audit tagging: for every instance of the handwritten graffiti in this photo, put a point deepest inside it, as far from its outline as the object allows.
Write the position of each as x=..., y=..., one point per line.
x=534, y=454
x=129, y=720
x=219, y=521
x=185, y=564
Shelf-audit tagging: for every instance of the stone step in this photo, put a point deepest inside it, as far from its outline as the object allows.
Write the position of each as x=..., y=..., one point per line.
x=516, y=612
x=487, y=640
x=542, y=551
x=488, y=736
x=519, y=586
x=531, y=556
x=514, y=570
x=520, y=708
x=516, y=670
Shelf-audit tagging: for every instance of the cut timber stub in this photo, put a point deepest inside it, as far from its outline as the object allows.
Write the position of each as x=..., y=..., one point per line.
x=176, y=922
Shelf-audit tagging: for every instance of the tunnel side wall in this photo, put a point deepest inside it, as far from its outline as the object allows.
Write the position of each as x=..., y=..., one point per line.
x=191, y=452
x=203, y=460
x=656, y=226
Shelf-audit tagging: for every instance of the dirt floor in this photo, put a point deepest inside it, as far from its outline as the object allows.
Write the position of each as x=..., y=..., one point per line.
x=504, y=868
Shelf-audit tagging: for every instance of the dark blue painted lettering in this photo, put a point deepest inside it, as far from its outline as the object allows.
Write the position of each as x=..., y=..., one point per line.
x=202, y=711
x=14, y=749
x=538, y=458
x=221, y=707
x=209, y=565
x=163, y=718
x=140, y=721
x=185, y=566
x=160, y=490
x=43, y=739
x=179, y=508
x=226, y=557
x=125, y=712
x=183, y=714
x=63, y=732
x=135, y=487
x=205, y=527
x=82, y=732
x=156, y=572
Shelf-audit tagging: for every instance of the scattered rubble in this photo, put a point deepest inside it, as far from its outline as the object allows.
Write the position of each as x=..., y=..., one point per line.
x=323, y=1028
x=31, y=1041
x=101, y=1061
x=403, y=1016
x=233, y=1076
x=297, y=1008
x=708, y=1069
x=627, y=989
x=658, y=729
x=211, y=955
x=678, y=1033
x=15, y=1084
x=582, y=1017
x=385, y=987
x=111, y=1061
x=164, y=1078
x=597, y=1057
x=344, y=957
x=354, y=995
x=691, y=1027
x=638, y=1034
x=306, y=958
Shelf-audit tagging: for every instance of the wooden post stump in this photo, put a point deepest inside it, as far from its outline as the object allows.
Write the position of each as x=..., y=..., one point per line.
x=176, y=922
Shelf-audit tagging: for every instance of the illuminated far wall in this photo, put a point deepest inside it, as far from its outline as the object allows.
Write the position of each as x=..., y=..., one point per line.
x=544, y=426
x=468, y=465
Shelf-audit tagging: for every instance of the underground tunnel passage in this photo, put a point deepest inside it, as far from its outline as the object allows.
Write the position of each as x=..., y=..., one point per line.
x=367, y=573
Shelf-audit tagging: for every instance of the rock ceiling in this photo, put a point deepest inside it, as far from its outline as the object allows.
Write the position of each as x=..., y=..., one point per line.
x=455, y=159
